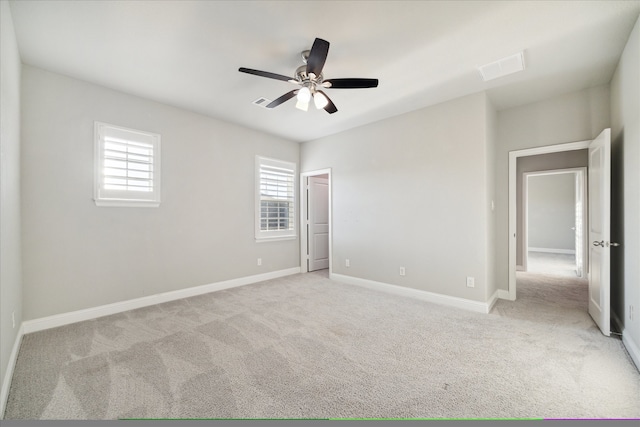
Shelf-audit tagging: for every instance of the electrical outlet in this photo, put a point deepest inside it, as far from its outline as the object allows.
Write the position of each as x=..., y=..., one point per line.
x=13, y=319
x=630, y=312
x=471, y=282
x=347, y=263
x=402, y=272
x=259, y=261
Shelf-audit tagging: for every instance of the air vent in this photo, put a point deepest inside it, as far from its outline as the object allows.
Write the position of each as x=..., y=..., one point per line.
x=262, y=102
x=503, y=67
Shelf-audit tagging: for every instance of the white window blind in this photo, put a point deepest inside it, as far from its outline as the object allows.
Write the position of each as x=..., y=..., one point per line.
x=275, y=204
x=127, y=167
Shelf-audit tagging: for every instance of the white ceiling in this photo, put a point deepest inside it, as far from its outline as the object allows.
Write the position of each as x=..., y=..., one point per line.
x=187, y=53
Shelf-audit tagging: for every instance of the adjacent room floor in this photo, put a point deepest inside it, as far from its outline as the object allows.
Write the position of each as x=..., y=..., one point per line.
x=550, y=263
x=304, y=346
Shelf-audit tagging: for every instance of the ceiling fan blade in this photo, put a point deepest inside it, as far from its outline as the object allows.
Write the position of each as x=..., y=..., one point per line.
x=330, y=107
x=317, y=56
x=264, y=74
x=287, y=96
x=350, y=83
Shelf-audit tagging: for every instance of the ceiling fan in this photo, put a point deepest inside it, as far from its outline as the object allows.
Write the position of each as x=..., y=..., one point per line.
x=310, y=77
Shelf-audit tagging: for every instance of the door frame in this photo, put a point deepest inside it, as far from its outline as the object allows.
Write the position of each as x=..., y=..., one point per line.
x=578, y=173
x=510, y=294
x=304, y=215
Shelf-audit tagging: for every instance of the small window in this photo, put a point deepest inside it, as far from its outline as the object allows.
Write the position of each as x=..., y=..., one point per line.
x=275, y=199
x=127, y=167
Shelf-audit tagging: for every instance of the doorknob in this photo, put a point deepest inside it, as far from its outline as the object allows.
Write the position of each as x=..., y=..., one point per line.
x=601, y=243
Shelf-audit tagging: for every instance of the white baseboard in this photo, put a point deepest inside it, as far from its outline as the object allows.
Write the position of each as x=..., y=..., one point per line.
x=6, y=383
x=479, y=307
x=118, y=307
x=553, y=251
x=494, y=298
x=632, y=347
x=502, y=294
x=519, y=268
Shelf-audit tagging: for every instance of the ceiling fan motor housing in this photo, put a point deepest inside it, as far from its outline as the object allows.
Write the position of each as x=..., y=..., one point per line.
x=302, y=76
x=301, y=73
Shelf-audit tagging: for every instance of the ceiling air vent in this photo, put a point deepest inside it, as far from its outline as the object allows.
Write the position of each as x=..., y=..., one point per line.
x=262, y=102
x=502, y=67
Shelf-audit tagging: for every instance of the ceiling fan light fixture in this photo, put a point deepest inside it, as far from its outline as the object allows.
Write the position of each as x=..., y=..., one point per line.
x=304, y=95
x=302, y=105
x=320, y=100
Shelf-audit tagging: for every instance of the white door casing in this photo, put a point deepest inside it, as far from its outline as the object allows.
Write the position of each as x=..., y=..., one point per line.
x=580, y=213
x=599, y=230
x=510, y=294
x=579, y=226
x=318, y=224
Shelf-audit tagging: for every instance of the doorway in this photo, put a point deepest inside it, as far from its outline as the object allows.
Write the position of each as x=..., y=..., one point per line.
x=599, y=222
x=554, y=220
x=515, y=225
x=315, y=221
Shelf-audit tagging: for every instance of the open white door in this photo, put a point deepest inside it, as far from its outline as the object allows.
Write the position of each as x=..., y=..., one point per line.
x=318, y=227
x=599, y=227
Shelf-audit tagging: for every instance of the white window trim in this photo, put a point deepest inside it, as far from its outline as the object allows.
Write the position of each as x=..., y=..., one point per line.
x=274, y=235
x=115, y=198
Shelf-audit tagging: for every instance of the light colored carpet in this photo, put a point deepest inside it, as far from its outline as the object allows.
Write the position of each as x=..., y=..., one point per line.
x=307, y=347
x=550, y=263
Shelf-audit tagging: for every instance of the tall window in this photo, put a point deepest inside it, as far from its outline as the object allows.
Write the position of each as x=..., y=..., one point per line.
x=275, y=199
x=127, y=167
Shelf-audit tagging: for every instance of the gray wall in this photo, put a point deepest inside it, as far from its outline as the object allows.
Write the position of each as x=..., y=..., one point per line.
x=77, y=255
x=541, y=162
x=552, y=211
x=412, y=191
x=576, y=116
x=10, y=259
x=625, y=134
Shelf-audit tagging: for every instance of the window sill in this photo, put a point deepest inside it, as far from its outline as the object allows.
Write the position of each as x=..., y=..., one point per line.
x=275, y=239
x=127, y=203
